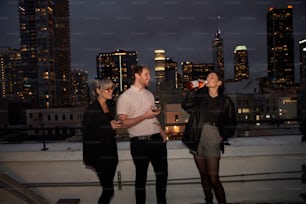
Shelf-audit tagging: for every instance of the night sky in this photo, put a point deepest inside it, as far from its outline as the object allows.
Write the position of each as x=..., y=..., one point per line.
x=185, y=29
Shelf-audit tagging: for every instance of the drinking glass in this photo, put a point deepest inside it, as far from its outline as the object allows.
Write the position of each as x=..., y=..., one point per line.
x=155, y=107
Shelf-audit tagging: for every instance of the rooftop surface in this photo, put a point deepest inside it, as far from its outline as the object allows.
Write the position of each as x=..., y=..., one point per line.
x=263, y=169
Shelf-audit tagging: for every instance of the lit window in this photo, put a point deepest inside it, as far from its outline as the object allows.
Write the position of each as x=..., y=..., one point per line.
x=46, y=75
x=245, y=110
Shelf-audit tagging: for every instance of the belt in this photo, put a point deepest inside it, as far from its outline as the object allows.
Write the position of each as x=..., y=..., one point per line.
x=211, y=124
x=146, y=137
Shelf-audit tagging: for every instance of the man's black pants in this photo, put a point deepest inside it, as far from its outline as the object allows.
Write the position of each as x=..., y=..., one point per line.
x=146, y=150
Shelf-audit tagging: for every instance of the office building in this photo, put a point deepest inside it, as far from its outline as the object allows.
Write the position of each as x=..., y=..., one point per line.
x=117, y=66
x=45, y=52
x=9, y=66
x=194, y=71
x=302, y=88
x=280, y=47
x=171, y=73
x=241, y=64
x=80, y=89
x=187, y=70
x=160, y=66
x=56, y=123
x=302, y=49
x=200, y=70
x=218, y=53
x=62, y=52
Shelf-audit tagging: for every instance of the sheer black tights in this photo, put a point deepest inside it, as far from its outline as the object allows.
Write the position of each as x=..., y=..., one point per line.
x=209, y=171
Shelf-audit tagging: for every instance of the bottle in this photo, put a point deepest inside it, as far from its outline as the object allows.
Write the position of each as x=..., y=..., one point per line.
x=195, y=83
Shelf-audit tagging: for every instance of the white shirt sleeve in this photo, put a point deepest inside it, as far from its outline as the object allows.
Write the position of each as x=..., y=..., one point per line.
x=122, y=105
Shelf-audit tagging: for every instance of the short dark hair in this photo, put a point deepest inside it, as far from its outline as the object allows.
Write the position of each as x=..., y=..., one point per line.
x=138, y=70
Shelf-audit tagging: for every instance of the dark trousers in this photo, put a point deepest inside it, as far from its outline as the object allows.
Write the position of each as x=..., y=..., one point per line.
x=144, y=152
x=106, y=169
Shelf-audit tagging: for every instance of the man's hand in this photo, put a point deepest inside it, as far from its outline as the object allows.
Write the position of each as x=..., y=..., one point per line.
x=163, y=134
x=151, y=114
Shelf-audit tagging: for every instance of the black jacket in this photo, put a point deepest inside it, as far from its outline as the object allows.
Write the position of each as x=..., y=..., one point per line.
x=99, y=142
x=196, y=104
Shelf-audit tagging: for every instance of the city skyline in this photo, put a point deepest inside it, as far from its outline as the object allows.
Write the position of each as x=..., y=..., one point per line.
x=184, y=30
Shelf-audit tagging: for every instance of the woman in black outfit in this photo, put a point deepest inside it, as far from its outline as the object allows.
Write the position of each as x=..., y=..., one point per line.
x=99, y=142
x=212, y=120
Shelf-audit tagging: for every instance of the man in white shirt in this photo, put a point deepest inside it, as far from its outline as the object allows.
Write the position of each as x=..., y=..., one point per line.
x=148, y=139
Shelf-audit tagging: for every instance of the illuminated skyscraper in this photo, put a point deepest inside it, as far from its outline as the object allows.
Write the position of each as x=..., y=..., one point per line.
x=62, y=52
x=9, y=78
x=80, y=89
x=280, y=47
x=302, y=44
x=241, y=64
x=160, y=66
x=218, y=53
x=117, y=66
x=171, y=73
x=302, y=88
x=45, y=52
x=194, y=71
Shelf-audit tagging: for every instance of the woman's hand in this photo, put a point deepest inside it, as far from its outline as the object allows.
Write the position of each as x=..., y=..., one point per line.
x=116, y=124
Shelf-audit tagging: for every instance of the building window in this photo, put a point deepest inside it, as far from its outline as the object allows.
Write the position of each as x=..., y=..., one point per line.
x=176, y=118
x=46, y=75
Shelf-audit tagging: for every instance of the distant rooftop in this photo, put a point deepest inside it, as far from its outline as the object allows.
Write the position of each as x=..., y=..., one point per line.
x=245, y=86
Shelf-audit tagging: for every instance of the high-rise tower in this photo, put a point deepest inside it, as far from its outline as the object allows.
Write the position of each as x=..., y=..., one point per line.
x=218, y=52
x=302, y=44
x=171, y=73
x=62, y=52
x=117, y=66
x=45, y=52
x=9, y=77
x=80, y=89
x=280, y=47
x=160, y=66
x=241, y=64
x=195, y=71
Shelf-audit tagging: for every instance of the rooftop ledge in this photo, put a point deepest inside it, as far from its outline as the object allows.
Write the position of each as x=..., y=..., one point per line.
x=239, y=147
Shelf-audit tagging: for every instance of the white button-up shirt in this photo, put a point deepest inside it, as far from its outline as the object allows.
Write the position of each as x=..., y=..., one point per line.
x=133, y=103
